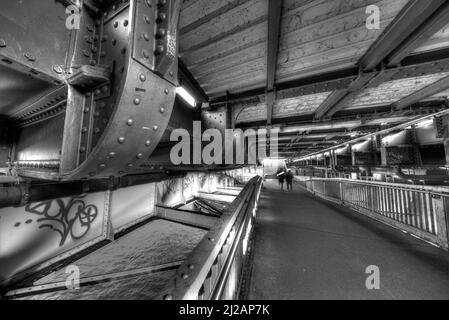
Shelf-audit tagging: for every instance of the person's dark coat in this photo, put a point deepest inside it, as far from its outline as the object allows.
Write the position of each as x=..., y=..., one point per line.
x=289, y=177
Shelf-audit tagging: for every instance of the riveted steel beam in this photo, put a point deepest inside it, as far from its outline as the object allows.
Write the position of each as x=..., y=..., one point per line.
x=119, y=71
x=274, y=26
x=413, y=66
x=408, y=23
x=413, y=25
x=419, y=95
x=431, y=26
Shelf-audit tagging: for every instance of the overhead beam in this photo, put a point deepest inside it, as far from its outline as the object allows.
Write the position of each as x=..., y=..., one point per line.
x=338, y=100
x=417, y=65
x=411, y=27
x=350, y=124
x=424, y=93
x=430, y=27
x=186, y=76
x=274, y=26
x=399, y=127
x=409, y=21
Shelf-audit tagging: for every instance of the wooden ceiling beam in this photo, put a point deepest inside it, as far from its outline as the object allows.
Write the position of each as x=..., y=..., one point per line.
x=411, y=28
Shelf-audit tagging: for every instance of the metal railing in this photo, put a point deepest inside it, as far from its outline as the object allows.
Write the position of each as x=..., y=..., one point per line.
x=214, y=269
x=420, y=210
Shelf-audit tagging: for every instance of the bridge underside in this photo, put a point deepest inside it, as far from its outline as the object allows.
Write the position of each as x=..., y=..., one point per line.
x=136, y=137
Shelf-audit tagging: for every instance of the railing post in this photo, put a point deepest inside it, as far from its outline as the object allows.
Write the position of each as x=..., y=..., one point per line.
x=441, y=210
x=341, y=192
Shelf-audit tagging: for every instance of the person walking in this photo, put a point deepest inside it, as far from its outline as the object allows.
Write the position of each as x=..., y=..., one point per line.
x=289, y=179
x=281, y=177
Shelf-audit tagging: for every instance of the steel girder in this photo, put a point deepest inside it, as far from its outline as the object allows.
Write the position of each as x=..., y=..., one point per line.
x=105, y=92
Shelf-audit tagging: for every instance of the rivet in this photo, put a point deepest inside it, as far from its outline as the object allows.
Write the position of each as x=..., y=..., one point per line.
x=91, y=174
x=162, y=109
x=97, y=130
x=86, y=53
x=142, y=77
x=191, y=266
x=83, y=149
x=161, y=32
x=211, y=239
x=155, y=128
x=139, y=156
x=148, y=143
x=145, y=54
x=29, y=56
x=185, y=276
x=102, y=166
x=130, y=165
x=121, y=140
x=137, y=101
x=84, y=130
x=123, y=50
x=146, y=37
x=167, y=91
x=112, y=154
x=162, y=16
x=114, y=42
x=130, y=122
x=149, y=3
x=160, y=49
x=98, y=92
x=93, y=62
x=125, y=23
x=168, y=297
x=57, y=69
x=2, y=43
x=147, y=19
x=115, y=24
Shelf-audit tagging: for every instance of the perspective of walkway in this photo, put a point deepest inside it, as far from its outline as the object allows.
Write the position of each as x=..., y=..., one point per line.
x=306, y=248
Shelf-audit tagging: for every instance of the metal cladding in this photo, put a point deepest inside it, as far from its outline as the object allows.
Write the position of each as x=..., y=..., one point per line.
x=96, y=100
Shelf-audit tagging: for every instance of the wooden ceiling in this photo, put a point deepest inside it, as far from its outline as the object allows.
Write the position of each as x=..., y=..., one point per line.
x=328, y=63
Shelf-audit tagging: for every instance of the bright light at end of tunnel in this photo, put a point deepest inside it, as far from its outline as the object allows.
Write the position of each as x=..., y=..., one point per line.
x=186, y=96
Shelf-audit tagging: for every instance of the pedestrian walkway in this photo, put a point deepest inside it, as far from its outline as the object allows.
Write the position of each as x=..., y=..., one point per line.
x=307, y=248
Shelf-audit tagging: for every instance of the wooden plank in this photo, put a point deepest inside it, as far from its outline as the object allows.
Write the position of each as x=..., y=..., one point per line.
x=234, y=20
x=419, y=95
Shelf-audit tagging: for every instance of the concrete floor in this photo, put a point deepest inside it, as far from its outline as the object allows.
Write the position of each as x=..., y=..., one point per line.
x=310, y=249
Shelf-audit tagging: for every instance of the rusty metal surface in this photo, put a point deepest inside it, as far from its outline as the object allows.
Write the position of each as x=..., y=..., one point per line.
x=120, y=72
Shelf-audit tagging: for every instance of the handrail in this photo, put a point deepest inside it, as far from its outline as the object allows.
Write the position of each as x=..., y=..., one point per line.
x=205, y=274
x=420, y=210
x=435, y=189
